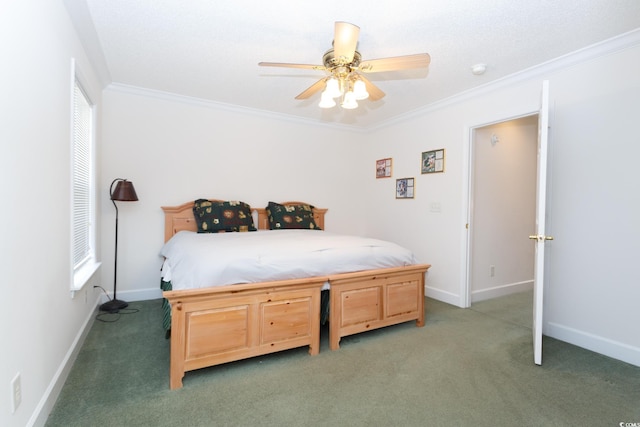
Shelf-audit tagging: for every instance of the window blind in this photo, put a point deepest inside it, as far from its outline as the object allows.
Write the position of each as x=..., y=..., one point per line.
x=81, y=177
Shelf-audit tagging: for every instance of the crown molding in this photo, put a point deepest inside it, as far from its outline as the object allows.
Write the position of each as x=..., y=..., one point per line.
x=221, y=106
x=597, y=50
x=601, y=49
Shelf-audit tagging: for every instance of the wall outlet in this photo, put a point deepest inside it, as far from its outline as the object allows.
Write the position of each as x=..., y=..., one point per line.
x=16, y=393
x=492, y=270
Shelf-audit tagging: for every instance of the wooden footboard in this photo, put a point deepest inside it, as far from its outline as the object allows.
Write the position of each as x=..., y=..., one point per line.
x=369, y=300
x=222, y=324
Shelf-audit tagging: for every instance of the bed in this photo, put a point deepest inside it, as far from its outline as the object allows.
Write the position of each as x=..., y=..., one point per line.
x=211, y=325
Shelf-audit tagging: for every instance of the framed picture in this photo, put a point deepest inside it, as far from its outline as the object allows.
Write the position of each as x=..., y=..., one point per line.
x=404, y=188
x=433, y=161
x=383, y=168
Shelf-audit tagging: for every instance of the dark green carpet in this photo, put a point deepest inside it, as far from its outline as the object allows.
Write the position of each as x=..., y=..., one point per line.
x=466, y=367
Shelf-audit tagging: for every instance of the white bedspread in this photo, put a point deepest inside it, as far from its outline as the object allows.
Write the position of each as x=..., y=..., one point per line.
x=195, y=260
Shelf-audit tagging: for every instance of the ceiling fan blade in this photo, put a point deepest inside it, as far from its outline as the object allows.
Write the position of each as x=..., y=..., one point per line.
x=345, y=41
x=287, y=65
x=374, y=93
x=316, y=87
x=420, y=60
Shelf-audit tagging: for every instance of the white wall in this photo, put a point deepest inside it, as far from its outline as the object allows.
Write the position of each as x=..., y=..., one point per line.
x=40, y=321
x=593, y=289
x=503, y=206
x=176, y=150
x=438, y=238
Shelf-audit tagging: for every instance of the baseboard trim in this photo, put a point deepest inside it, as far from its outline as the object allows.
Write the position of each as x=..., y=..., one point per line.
x=500, y=291
x=598, y=344
x=51, y=394
x=443, y=296
x=137, y=295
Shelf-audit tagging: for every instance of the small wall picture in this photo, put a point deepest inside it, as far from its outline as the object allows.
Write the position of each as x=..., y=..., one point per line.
x=433, y=161
x=404, y=188
x=383, y=168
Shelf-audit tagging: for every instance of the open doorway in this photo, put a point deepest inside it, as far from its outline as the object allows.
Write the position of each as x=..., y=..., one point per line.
x=502, y=215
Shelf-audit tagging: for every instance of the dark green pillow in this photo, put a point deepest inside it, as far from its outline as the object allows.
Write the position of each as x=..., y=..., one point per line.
x=212, y=217
x=283, y=217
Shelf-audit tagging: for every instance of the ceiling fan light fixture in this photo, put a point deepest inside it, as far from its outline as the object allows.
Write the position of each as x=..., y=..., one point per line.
x=360, y=90
x=343, y=64
x=349, y=102
x=326, y=101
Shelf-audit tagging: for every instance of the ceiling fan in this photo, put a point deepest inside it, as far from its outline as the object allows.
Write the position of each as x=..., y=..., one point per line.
x=344, y=65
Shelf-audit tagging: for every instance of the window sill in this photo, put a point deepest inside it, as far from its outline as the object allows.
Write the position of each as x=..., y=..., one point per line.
x=82, y=276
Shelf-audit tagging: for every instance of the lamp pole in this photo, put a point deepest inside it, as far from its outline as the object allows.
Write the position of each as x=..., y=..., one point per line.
x=124, y=191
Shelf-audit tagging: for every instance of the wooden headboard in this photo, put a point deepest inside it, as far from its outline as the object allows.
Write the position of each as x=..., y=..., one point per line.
x=179, y=218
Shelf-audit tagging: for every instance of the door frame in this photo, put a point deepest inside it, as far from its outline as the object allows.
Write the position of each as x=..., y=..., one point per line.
x=467, y=205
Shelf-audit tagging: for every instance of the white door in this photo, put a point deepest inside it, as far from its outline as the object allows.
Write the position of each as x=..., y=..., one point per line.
x=540, y=237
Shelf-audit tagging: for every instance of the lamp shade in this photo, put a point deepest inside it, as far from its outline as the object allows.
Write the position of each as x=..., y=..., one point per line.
x=333, y=88
x=326, y=101
x=360, y=90
x=124, y=191
x=349, y=102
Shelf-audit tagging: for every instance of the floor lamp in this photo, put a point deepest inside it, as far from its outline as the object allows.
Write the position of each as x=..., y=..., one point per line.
x=124, y=192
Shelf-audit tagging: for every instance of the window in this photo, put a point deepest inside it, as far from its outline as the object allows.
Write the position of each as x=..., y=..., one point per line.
x=83, y=189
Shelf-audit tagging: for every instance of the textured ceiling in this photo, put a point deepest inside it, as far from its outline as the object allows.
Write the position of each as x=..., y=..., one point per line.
x=210, y=49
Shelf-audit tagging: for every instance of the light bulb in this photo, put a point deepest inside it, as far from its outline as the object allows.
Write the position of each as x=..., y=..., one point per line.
x=360, y=90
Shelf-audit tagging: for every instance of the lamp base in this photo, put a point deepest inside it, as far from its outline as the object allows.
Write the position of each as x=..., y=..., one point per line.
x=113, y=306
